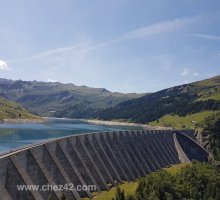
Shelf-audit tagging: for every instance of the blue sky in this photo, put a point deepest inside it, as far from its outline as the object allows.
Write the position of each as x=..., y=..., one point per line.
x=121, y=45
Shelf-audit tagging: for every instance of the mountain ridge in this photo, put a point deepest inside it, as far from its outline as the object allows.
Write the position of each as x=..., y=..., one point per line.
x=180, y=100
x=55, y=99
x=194, y=100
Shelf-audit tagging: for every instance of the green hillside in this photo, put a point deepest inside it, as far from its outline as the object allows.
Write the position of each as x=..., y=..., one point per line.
x=61, y=100
x=180, y=107
x=208, y=134
x=11, y=110
x=208, y=89
x=129, y=188
x=176, y=106
x=180, y=122
x=196, y=181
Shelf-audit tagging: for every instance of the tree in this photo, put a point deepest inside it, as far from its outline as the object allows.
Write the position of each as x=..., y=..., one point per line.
x=196, y=181
x=210, y=132
x=153, y=196
x=120, y=195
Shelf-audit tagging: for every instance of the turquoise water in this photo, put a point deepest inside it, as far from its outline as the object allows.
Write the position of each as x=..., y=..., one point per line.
x=16, y=135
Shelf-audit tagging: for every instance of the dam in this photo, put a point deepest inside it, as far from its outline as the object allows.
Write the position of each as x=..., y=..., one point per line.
x=101, y=159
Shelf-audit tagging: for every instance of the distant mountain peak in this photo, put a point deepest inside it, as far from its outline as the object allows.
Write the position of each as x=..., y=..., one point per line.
x=68, y=100
x=103, y=90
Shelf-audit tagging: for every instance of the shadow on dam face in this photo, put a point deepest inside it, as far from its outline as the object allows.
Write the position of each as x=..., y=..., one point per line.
x=190, y=148
x=97, y=159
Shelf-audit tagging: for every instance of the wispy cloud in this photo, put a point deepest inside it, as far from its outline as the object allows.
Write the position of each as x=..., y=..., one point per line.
x=188, y=72
x=185, y=72
x=3, y=65
x=59, y=51
x=157, y=28
x=161, y=27
x=52, y=53
x=205, y=36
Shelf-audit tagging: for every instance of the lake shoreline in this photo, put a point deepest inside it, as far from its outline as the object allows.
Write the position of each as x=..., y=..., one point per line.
x=91, y=121
x=22, y=121
x=116, y=123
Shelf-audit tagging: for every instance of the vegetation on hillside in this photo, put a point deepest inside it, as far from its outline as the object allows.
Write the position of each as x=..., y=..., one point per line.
x=208, y=132
x=129, y=188
x=69, y=100
x=12, y=110
x=197, y=181
x=185, y=122
x=180, y=101
x=174, y=169
x=208, y=89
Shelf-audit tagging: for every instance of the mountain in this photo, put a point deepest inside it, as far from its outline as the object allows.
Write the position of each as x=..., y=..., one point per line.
x=12, y=110
x=61, y=100
x=181, y=103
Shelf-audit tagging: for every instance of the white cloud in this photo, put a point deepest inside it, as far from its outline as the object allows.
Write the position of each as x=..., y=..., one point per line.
x=161, y=27
x=185, y=72
x=51, y=80
x=3, y=65
x=186, y=82
x=205, y=36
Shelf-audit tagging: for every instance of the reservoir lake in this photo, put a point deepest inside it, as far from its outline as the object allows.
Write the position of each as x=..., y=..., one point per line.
x=15, y=135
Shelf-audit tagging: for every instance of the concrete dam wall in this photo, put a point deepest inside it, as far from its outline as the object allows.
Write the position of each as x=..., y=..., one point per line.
x=100, y=159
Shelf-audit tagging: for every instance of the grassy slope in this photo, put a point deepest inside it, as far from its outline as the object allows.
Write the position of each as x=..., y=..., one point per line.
x=130, y=188
x=12, y=110
x=182, y=122
x=176, y=168
x=207, y=96
x=208, y=89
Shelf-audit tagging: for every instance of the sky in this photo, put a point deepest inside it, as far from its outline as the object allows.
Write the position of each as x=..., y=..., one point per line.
x=121, y=45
